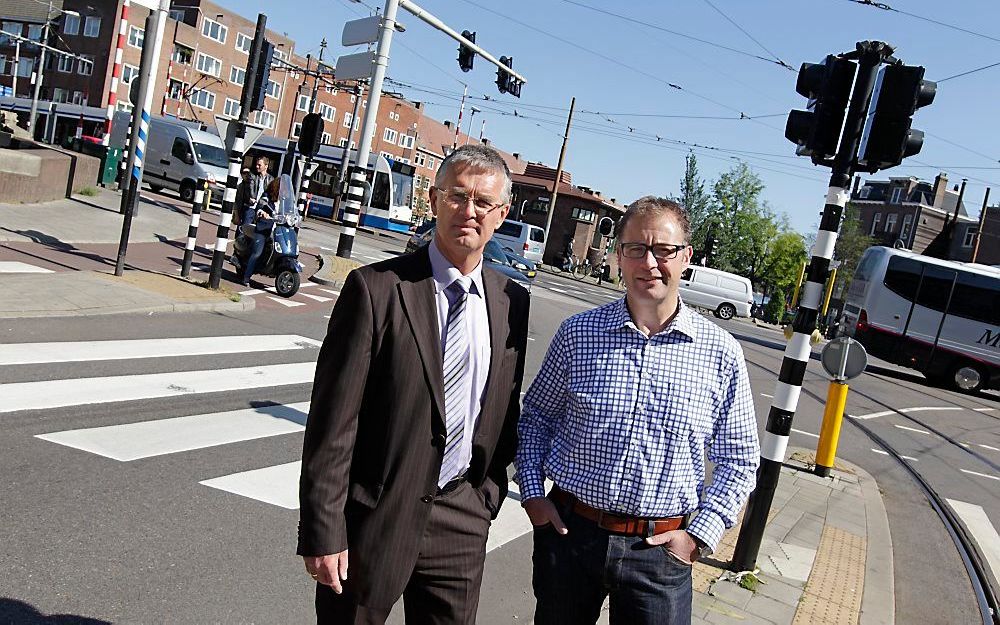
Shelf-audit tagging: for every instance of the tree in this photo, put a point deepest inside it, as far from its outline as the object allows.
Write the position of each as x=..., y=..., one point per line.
x=785, y=256
x=746, y=223
x=695, y=200
x=851, y=243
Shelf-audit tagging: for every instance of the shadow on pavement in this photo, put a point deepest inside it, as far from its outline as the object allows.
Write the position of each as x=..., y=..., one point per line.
x=58, y=245
x=15, y=611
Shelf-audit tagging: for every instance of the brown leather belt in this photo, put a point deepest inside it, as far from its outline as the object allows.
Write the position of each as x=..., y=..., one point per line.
x=614, y=523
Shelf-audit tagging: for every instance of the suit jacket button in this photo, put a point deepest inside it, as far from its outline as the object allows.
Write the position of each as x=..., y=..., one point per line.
x=439, y=439
x=426, y=499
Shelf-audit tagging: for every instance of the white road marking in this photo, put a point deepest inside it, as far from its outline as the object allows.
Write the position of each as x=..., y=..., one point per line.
x=977, y=473
x=910, y=458
x=131, y=441
x=556, y=289
x=530, y=338
x=909, y=429
x=886, y=413
x=13, y=266
x=286, y=302
x=985, y=535
x=331, y=291
x=880, y=452
x=989, y=447
x=768, y=396
x=277, y=485
x=318, y=298
x=966, y=445
x=252, y=292
x=984, y=409
x=83, y=391
x=805, y=433
x=74, y=351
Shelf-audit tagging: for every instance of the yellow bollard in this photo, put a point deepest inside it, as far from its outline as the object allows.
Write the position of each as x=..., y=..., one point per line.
x=829, y=436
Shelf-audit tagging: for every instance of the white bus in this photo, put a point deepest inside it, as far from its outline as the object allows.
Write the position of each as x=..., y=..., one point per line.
x=939, y=317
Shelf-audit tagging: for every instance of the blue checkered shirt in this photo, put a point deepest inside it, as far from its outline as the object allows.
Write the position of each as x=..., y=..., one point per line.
x=623, y=422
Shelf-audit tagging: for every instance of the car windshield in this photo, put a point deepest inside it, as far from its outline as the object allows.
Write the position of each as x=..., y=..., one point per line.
x=210, y=155
x=493, y=252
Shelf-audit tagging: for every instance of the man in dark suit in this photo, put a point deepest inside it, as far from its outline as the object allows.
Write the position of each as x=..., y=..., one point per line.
x=251, y=190
x=414, y=415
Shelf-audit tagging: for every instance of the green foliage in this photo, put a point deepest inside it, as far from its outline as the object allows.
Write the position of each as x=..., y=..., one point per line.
x=775, y=308
x=695, y=200
x=785, y=256
x=851, y=243
x=89, y=191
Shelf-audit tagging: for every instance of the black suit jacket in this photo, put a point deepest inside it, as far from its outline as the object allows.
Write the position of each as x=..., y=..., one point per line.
x=375, y=437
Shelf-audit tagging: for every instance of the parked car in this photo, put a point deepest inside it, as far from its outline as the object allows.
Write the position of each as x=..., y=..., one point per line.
x=522, y=264
x=421, y=236
x=518, y=269
x=726, y=294
x=521, y=238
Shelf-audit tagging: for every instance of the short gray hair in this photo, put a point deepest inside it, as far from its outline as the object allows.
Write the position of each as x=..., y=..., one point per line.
x=476, y=156
x=652, y=206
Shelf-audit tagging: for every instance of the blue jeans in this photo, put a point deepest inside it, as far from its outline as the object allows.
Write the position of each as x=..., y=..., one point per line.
x=259, y=241
x=574, y=573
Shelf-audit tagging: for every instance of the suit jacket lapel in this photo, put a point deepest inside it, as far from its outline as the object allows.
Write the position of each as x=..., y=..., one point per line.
x=497, y=307
x=420, y=307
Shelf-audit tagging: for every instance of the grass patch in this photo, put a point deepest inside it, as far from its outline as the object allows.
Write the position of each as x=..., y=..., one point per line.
x=750, y=581
x=89, y=191
x=235, y=297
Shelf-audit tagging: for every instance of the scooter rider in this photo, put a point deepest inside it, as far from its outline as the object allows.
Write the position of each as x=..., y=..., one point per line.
x=259, y=215
x=252, y=188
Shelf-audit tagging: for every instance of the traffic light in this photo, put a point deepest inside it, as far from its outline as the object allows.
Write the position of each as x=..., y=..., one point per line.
x=828, y=87
x=465, y=54
x=888, y=138
x=311, y=135
x=258, y=87
x=503, y=78
x=606, y=226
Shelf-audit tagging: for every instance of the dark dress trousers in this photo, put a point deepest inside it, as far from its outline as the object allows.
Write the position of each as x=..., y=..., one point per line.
x=375, y=437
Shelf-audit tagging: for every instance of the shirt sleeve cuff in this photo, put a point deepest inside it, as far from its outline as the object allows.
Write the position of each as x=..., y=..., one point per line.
x=532, y=485
x=708, y=527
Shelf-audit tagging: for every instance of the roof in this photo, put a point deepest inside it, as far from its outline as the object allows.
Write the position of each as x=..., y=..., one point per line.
x=436, y=138
x=566, y=190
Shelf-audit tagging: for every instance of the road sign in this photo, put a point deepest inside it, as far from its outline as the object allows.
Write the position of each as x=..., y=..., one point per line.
x=227, y=132
x=358, y=32
x=844, y=358
x=355, y=66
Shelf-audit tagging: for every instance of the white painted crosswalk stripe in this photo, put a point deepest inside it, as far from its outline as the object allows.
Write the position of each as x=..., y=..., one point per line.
x=277, y=485
x=82, y=391
x=132, y=441
x=13, y=266
x=75, y=351
x=318, y=298
x=982, y=530
x=285, y=302
x=331, y=291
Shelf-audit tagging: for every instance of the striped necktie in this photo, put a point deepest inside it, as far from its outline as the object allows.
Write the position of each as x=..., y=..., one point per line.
x=457, y=378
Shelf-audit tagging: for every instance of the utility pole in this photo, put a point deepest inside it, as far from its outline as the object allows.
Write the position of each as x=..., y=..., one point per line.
x=140, y=121
x=559, y=169
x=461, y=109
x=345, y=160
x=17, y=65
x=482, y=131
x=38, y=72
x=305, y=172
x=982, y=223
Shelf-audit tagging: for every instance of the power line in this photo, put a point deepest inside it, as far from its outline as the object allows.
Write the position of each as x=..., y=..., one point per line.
x=775, y=57
x=962, y=147
x=971, y=71
x=885, y=7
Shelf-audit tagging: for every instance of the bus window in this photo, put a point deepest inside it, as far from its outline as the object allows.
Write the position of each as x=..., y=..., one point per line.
x=902, y=277
x=402, y=189
x=977, y=297
x=935, y=290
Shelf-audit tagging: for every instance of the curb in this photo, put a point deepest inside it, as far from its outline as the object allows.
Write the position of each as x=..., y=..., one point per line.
x=331, y=270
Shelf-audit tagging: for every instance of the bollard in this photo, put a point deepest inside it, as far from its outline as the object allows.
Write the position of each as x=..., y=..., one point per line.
x=829, y=435
x=201, y=195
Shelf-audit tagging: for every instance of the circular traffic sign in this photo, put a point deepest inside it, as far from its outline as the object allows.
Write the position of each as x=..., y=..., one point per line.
x=844, y=358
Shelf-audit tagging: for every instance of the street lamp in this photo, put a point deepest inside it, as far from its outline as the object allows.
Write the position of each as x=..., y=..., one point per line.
x=475, y=110
x=41, y=63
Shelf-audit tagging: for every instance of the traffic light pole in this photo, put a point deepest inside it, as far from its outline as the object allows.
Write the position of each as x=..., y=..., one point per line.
x=140, y=123
x=870, y=55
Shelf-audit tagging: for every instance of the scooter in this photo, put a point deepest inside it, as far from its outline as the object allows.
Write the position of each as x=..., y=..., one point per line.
x=281, y=251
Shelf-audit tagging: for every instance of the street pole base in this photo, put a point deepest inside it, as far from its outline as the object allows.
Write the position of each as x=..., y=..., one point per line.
x=821, y=471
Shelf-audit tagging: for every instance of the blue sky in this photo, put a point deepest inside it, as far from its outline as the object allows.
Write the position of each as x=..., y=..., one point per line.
x=620, y=72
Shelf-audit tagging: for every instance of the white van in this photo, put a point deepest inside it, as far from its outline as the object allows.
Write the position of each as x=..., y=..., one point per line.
x=725, y=294
x=178, y=154
x=522, y=239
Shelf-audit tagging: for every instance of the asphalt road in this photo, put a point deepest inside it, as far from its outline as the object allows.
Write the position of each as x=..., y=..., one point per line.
x=163, y=489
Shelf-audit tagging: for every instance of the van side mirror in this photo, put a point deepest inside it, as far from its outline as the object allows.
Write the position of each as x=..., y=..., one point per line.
x=189, y=158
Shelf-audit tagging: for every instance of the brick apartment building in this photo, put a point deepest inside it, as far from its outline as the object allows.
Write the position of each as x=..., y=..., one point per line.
x=916, y=215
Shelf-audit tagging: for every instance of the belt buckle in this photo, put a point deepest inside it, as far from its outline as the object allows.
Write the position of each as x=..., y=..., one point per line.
x=600, y=520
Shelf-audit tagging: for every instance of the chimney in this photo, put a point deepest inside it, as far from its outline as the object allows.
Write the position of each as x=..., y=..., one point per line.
x=486, y=141
x=517, y=156
x=447, y=124
x=940, y=188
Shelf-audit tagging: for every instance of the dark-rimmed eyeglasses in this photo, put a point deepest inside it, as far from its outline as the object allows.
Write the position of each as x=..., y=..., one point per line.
x=661, y=251
x=461, y=199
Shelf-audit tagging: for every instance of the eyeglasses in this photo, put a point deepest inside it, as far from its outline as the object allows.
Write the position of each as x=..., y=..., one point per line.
x=661, y=251
x=461, y=199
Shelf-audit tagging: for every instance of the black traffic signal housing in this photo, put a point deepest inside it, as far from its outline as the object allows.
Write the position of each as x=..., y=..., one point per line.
x=465, y=54
x=503, y=78
x=888, y=138
x=828, y=87
x=258, y=88
x=606, y=226
x=311, y=134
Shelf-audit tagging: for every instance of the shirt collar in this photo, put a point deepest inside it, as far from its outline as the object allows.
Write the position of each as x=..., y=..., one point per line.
x=445, y=273
x=682, y=322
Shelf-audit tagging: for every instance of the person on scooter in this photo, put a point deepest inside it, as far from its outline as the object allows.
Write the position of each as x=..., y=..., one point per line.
x=261, y=220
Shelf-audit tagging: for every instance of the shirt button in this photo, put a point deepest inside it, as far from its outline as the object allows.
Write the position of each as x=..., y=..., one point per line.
x=426, y=499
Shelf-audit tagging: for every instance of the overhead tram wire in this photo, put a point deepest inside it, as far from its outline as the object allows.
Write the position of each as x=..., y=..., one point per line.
x=885, y=7
x=774, y=57
x=642, y=72
x=971, y=71
x=992, y=159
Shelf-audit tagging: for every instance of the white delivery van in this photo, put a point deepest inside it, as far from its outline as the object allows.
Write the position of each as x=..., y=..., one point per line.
x=725, y=294
x=178, y=154
x=522, y=239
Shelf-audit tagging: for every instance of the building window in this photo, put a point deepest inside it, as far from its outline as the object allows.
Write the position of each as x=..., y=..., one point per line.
x=904, y=232
x=865, y=192
x=177, y=15
x=209, y=65
x=122, y=105
x=203, y=99
x=296, y=129
x=876, y=220
x=13, y=28
x=388, y=155
x=394, y=116
x=65, y=63
x=35, y=32
x=79, y=98
x=92, y=26
x=243, y=42
x=278, y=54
x=237, y=75
x=348, y=118
x=583, y=214
x=431, y=163
x=129, y=72
x=175, y=89
x=302, y=103
x=59, y=95
x=231, y=108
x=328, y=112
x=406, y=141
x=182, y=54
x=970, y=236
x=354, y=145
x=325, y=140
x=85, y=66
x=265, y=119
x=343, y=142
x=135, y=36
x=897, y=195
x=71, y=24
x=273, y=89
x=420, y=159
x=890, y=222
x=390, y=135
x=214, y=30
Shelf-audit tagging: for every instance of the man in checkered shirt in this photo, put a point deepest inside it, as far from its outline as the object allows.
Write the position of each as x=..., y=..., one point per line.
x=629, y=398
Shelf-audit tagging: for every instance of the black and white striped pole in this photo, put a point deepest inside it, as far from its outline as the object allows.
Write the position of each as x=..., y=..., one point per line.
x=236, y=151
x=774, y=442
x=200, y=197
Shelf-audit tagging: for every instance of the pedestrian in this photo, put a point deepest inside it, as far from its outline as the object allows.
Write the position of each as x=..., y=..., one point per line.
x=629, y=398
x=252, y=189
x=413, y=421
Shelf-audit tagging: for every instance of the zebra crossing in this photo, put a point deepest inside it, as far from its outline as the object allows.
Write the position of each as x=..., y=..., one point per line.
x=132, y=441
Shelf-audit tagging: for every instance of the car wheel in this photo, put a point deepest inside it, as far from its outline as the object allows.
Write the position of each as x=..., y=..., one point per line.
x=155, y=188
x=966, y=377
x=725, y=311
x=187, y=191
